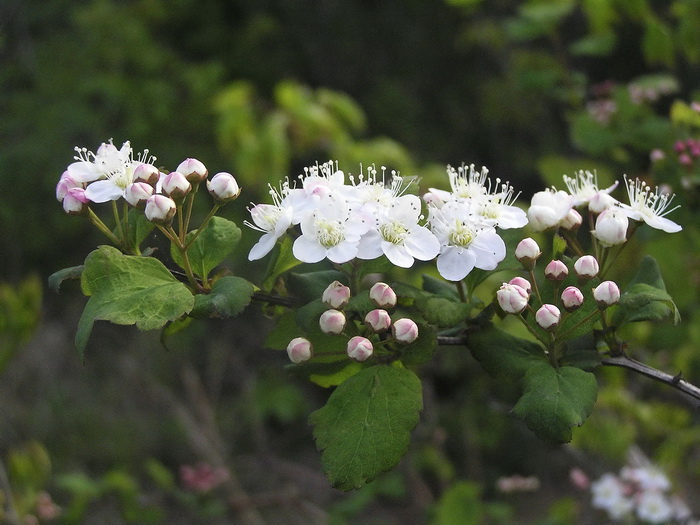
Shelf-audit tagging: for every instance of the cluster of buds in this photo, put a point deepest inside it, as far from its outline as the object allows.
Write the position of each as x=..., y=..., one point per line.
x=514, y=296
x=688, y=151
x=376, y=324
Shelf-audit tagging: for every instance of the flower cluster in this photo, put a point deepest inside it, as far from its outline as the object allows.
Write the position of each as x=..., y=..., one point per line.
x=640, y=491
x=370, y=217
x=551, y=209
x=376, y=328
x=111, y=174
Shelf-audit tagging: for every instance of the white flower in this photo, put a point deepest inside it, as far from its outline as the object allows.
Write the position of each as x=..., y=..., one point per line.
x=398, y=235
x=109, y=171
x=652, y=506
x=466, y=183
x=548, y=208
x=464, y=244
x=649, y=207
x=584, y=187
x=609, y=495
x=271, y=219
x=329, y=231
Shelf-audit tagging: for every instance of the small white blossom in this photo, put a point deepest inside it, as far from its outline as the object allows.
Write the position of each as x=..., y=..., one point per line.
x=649, y=207
x=549, y=208
x=584, y=187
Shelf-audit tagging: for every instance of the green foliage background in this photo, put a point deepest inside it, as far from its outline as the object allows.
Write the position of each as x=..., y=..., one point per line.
x=263, y=88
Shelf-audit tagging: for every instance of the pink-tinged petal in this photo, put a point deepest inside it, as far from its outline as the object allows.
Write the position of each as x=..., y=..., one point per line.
x=454, y=264
x=422, y=244
x=342, y=253
x=489, y=250
x=262, y=247
x=397, y=255
x=103, y=191
x=307, y=250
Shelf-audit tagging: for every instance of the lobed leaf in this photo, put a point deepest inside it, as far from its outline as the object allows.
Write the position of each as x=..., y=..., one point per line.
x=364, y=428
x=126, y=290
x=211, y=247
x=555, y=400
x=229, y=296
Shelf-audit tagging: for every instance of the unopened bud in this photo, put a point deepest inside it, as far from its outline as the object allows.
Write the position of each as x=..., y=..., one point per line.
x=432, y=199
x=405, y=330
x=548, y=316
x=523, y=283
x=600, y=202
x=223, y=187
x=147, y=173
x=299, y=350
x=383, y=295
x=571, y=298
x=556, y=271
x=378, y=320
x=160, y=209
x=359, y=348
x=138, y=193
x=332, y=322
x=527, y=252
x=572, y=221
x=193, y=170
x=611, y=227
x=66, y=183
x=176, y=186
x=586, y=267
x=512, y=298
x=336, y=295
x=75, y=202
x=606, y=294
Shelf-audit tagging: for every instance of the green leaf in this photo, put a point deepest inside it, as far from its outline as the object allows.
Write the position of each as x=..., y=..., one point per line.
x=56, y=279
x=460, y=505
x=229, y=296
x=439, y=287
x=441, y=311
x=327, y=370
x=281, y=261
x=139, y=227
x=555, y=400
x=504, y=355
x=365, y=426
x=646, y=298
x=211, y=247
x=126, y=290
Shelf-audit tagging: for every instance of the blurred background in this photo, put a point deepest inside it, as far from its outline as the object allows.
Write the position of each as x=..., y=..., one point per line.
x=211, y=428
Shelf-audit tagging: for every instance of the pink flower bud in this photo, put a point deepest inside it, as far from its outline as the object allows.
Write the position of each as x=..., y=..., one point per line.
x=299, y=350
x=378, y=320
x=360, y=348
x=223, y=187
x=432, y=199
x=586, y=267
x=138, y=193
x=147, y=173
x=160, y=209
x=523, y=283
x=548, y=316
x=175, y=185
x=611, y=227
x=405, y=330
x=527, y=252
x=572, y=221
x=75, y=202
x=606, y=294
x=67, y=182
x=193, y=170
x=383, y=295
x=571, y=298
x=556, y=271
x=336, y=295
x=512, y=298
x=332, y=322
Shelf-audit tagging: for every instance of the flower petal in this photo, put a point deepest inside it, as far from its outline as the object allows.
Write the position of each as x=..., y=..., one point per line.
x=103, y=191
x=454, y=264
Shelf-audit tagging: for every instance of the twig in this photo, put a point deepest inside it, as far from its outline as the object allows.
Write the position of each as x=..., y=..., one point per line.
x=648, y=371
x=621, y=361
